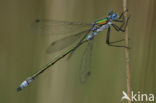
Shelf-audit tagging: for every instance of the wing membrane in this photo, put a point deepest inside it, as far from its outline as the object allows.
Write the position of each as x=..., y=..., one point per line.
x=57, y=27
x=85, y=69
x=64, y=42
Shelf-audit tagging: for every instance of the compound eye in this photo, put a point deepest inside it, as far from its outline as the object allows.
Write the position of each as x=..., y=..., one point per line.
x=114, y=16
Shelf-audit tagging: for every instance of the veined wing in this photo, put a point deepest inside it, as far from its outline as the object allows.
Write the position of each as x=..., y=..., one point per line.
x=65, y=42
x=85, y=69
x=57, y=27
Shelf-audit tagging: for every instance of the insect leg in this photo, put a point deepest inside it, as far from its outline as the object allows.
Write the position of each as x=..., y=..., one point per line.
x=111, y=43
x=121, y=27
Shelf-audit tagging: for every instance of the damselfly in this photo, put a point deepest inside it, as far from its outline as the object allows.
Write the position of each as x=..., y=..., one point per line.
x=86, y=36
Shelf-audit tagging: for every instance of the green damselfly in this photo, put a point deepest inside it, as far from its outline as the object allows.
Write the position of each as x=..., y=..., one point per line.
x=86, y=36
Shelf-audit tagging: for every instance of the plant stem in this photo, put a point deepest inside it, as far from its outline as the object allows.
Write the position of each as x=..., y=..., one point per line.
x=127, y=53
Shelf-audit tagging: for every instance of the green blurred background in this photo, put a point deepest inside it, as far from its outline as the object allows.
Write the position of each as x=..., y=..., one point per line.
x=22, y=52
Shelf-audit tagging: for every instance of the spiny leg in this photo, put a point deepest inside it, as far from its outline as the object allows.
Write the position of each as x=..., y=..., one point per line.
x=121, y=19
x=117, y=28
x=111, y=43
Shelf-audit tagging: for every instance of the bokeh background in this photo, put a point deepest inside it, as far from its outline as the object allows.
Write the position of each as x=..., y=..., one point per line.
x=22, y=52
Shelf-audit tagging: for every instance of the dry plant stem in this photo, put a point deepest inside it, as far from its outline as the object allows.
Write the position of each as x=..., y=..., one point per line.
x=127, y=53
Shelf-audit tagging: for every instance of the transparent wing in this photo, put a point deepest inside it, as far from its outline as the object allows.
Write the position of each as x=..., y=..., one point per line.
x=64, y=42
x=85, y=69
x=57, y=27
